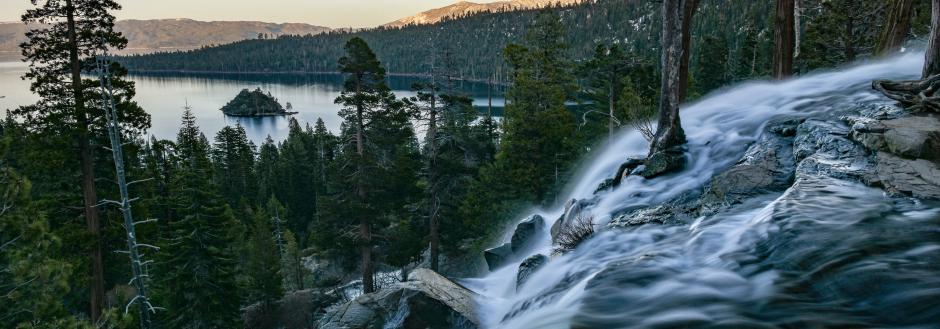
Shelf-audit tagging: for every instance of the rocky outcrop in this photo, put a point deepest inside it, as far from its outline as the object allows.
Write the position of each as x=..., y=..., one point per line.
x=918, y=177
x=426, y=300
x=526, y=233
x=916, y=137
x=496, y=257
x=767, y=165
x=529, y=266
x=523, y=238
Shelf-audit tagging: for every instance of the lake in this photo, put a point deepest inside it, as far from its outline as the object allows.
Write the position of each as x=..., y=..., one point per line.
x=165, y=95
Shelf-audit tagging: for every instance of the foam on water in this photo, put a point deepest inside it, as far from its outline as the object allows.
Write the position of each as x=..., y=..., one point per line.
x=680, y=265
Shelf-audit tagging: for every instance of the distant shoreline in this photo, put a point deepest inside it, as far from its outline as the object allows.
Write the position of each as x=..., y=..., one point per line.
x=200, y=72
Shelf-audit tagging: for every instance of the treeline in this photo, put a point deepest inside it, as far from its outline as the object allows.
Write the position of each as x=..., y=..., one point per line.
x=739, y=34
x=236, y=223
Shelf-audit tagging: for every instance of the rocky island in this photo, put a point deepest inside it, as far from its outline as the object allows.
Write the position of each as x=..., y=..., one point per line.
x=255, y=103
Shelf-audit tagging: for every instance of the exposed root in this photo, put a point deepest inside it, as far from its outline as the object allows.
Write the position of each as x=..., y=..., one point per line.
x=917, y=96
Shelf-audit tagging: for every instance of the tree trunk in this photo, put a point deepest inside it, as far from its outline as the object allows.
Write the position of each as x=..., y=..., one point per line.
x=365, y=225
x=610, y=109
x=897, y=25
x=433, y=175
x=89, y=194
x=669, y=130
x=687, y=15
x=784, y=39
x=932, y=63
x=849, y=37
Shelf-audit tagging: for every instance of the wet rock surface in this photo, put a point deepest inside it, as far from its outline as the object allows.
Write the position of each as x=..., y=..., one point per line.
x=767, y=166
x=426, y=300
x=526, y=233
x=498, y=256
x=529, y=266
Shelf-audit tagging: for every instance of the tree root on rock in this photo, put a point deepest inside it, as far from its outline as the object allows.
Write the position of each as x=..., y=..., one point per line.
x=917, y=96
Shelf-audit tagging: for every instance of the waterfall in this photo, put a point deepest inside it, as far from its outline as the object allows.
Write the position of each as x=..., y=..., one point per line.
x=730, y=269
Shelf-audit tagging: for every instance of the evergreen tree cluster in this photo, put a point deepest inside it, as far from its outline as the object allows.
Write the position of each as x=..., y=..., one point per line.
x=237, y=224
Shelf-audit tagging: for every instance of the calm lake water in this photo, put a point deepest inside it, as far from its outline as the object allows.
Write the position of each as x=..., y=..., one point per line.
x=165, y=95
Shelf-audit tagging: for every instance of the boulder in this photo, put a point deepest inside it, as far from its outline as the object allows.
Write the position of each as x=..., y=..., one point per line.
x=767, y=165
x=915, y=177
x=496, y=257
x=426, y=300
x=529, y=266
x=916, y=137
x=526, y=233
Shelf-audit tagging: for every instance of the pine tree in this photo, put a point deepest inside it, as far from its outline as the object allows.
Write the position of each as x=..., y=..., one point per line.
x=66, y=34
x=363, y=96
x=539, y=134
x=292, y=268
x=32, y=279
x=712, y=71
x=263, y=267
x=198, y=268
x=606, y=73
x=234, y=160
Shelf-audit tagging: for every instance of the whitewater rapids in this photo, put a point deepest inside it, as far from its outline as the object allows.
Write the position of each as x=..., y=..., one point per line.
x=735, y=269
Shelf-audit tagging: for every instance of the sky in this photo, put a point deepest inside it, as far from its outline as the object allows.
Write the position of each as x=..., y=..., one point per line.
x=331, y=13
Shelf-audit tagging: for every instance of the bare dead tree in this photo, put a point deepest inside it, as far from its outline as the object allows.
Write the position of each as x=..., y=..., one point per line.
x=139, y=277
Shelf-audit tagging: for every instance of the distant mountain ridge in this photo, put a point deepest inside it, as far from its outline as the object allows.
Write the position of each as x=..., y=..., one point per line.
x=175, y=34
x=463, y=8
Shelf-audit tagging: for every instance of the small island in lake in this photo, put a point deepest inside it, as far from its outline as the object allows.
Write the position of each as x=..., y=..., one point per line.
x=254, y=103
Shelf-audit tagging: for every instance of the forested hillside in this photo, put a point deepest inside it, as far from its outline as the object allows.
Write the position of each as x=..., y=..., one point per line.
x=322, y=229
x=735, y=33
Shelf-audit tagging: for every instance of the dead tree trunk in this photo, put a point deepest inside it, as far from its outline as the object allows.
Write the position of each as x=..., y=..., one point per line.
x=139, y=277
x=687, y=15
x=784, y=39
x=897, y=25
x=89, y=194
x=666, y=149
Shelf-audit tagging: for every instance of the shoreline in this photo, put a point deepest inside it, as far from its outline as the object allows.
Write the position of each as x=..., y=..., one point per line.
x=201, y=72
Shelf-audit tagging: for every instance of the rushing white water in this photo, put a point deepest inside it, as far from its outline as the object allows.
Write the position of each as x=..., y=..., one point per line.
x=684, y=275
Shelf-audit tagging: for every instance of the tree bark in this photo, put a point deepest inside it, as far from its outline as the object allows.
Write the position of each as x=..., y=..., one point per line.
x=784, y=39
x=432, y=172
x=610, y=108
x=687, y=13
x=897, y=26
x=365, y=225
x=669, y=131
x=932, y=63
x=89, y=194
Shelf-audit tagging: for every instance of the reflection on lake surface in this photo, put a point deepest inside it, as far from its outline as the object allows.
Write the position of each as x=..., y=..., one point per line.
x=165, y=95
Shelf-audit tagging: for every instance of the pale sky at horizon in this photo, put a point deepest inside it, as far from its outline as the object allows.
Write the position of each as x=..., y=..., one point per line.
x=331, y=13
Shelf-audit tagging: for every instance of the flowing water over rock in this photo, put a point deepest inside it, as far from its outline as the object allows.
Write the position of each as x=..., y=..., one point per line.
x=774, y=223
